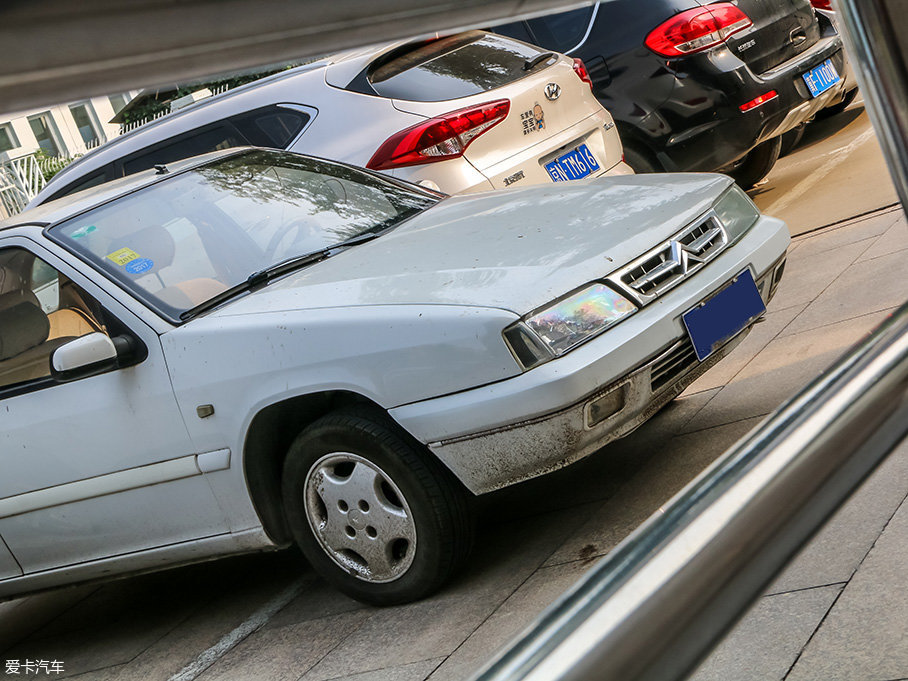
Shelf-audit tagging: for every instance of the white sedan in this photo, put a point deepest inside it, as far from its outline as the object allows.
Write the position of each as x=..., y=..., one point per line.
x=252, y=348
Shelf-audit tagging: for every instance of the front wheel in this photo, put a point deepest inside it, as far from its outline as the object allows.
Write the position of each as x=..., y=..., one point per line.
x=372, y=511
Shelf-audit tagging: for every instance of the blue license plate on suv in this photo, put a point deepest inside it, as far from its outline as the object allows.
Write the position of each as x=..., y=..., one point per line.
x=724, y=314
x=573, y=165
x=821, y=78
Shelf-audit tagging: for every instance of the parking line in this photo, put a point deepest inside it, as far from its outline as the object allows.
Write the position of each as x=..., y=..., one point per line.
x=815, y=177
x=254, y=622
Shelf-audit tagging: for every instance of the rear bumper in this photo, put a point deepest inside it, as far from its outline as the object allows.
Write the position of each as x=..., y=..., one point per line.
x=718, y=133
x=526, y=167
x=539, y=421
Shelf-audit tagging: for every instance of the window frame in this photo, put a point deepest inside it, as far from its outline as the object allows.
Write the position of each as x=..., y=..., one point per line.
x=52, y=129
x=114, y=322
x=13, y=138
x=93, y=122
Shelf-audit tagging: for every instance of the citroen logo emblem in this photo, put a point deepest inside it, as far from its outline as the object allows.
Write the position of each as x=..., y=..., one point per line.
x=682, y=257
x=678, y=260
x=552, y=91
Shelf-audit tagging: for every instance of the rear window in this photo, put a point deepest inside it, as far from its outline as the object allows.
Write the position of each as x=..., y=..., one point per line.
x=563, y=31
x=272, y=127
x=198, y=142
x=269, y=127
x=458, y=66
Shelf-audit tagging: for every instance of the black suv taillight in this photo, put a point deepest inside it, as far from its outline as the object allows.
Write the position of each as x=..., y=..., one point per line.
x=697, y=29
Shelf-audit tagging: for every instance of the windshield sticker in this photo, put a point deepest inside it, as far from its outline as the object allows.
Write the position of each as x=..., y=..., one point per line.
x=139, y=265
x=83, y=231
x=123, y=256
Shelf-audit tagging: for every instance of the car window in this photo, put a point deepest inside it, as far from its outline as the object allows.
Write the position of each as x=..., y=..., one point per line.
x=212, y=138
x=563, y=31
x=272, y=127
x=181, y=241
x=40, y=310
x=457, y=66
x=93, y=180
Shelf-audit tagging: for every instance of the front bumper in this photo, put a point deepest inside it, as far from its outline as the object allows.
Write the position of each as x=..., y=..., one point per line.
x=516, y=429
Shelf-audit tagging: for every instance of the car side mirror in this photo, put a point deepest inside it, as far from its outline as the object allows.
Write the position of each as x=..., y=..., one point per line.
x=87, y=355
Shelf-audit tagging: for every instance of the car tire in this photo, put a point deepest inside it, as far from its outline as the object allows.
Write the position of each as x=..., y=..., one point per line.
x=374, y=513
x=791, y=139
x=835, y=109
x=757, y=163
x=640, y=161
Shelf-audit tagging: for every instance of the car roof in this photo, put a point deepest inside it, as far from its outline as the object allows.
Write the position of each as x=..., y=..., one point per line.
x=73, y=204
x=281, y=87
x=307, y=85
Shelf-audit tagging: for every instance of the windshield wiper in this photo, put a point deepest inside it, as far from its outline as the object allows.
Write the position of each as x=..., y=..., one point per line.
x=262, y=277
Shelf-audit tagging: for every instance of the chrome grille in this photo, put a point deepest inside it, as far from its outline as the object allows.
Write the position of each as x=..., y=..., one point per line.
x=672, y=262
x=674, y=364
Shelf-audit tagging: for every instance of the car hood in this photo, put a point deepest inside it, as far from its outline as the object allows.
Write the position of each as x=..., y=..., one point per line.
x=511, y=249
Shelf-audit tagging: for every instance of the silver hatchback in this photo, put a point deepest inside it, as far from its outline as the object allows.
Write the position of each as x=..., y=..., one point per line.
x=468, y=112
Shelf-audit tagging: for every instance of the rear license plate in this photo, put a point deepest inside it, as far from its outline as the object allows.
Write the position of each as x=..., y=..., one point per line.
x=573, y=165
x=722, y=315
x=821, y=78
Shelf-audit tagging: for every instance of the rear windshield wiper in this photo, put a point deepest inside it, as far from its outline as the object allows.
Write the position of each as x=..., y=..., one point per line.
x=531, y=64
x=261, y=277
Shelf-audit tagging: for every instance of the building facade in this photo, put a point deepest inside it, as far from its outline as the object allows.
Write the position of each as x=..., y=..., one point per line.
x=65, y=130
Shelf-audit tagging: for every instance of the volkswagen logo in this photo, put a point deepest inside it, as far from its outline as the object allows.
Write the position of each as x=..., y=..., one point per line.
x=552, y=91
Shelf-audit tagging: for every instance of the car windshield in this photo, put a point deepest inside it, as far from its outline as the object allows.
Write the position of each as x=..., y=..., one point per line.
x=181, y=242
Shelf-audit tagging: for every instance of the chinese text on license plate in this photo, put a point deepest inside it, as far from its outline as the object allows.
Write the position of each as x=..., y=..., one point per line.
x=573, y=165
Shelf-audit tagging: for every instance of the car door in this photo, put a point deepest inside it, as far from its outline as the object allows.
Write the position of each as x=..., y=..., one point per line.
x=96, y=466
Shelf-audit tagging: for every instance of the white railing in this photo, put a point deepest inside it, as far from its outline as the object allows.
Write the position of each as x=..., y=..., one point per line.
x=28, y=172
x=132, y=125
x=20, y=180
x=12, y=198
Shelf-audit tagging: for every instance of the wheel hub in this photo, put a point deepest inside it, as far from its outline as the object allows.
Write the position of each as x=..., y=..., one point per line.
x=360, y=517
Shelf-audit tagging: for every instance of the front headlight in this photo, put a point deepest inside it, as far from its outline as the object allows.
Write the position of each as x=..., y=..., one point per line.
x=736, y=211
x=568, y=322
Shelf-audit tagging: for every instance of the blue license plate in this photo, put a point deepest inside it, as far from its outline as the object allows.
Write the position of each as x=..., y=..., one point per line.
x=573, y=165
x=724, y=314
x=821, y=78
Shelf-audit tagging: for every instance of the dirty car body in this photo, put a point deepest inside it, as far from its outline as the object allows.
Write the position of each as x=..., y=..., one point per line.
x=255, y=347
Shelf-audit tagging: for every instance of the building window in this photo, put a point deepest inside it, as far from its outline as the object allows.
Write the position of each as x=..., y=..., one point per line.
x=84, y=115
x=117, y=102
x=46, y=133
x=8, y=138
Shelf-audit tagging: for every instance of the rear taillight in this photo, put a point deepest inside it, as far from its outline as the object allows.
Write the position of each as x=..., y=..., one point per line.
x=582, y=73
x=439, y=138
x=697, y=29
x=821, y=4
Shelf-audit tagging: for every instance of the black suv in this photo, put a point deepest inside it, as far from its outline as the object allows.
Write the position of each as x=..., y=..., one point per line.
x=696, y=86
